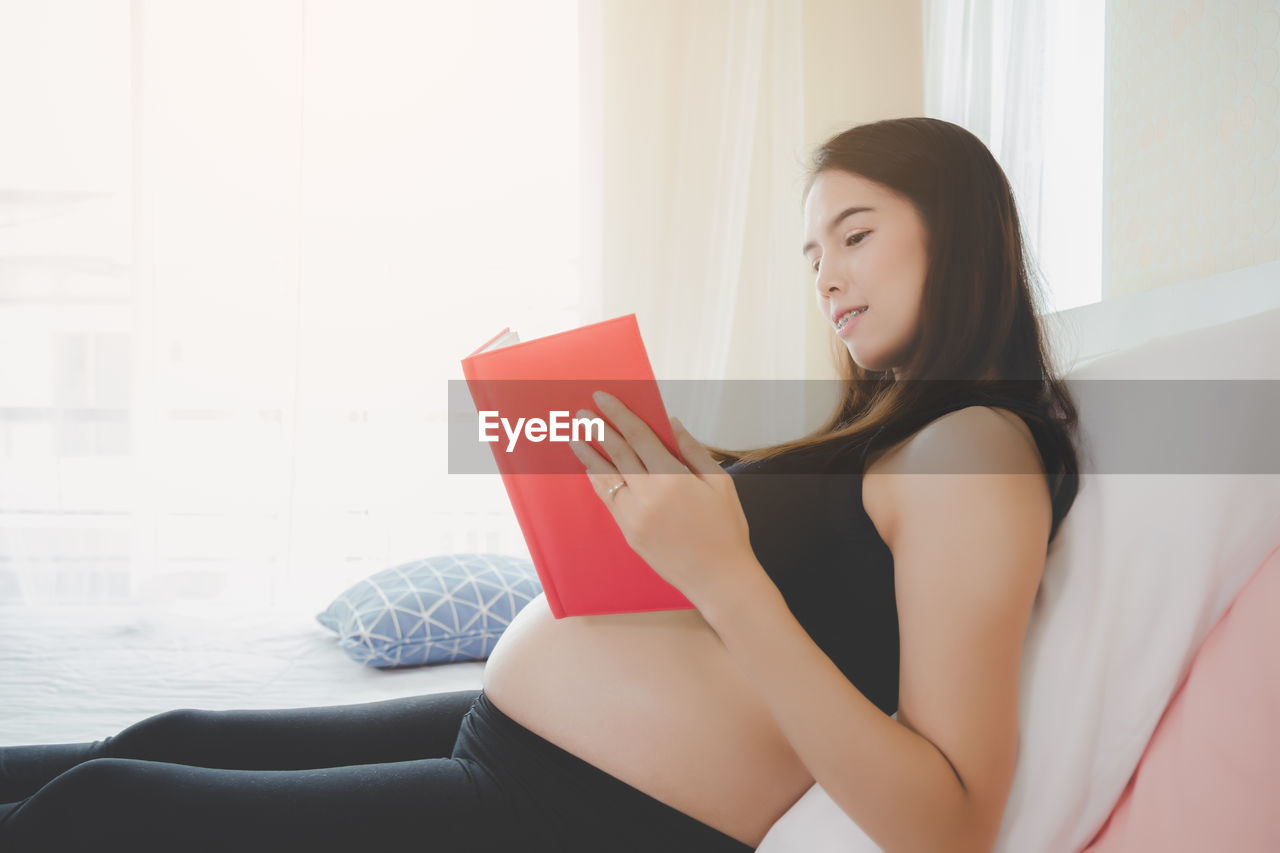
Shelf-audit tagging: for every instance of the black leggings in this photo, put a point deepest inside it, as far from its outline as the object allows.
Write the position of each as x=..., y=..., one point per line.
x=444, y=772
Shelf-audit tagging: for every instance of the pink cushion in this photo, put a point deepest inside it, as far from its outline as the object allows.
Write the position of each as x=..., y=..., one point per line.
x=1210, y=776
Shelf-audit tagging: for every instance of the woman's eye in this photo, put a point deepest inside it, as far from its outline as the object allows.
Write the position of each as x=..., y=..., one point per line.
x=849, y=241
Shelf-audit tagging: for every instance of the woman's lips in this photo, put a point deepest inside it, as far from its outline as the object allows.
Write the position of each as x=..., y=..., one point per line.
x=853, y=321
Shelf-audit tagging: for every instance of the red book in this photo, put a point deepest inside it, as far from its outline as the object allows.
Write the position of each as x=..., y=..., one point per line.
x=583, y=561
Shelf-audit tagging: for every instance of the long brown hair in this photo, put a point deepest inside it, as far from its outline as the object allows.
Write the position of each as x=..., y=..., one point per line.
x=978, y=316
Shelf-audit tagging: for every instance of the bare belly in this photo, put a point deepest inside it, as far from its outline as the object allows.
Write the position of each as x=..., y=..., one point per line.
x=610, y=688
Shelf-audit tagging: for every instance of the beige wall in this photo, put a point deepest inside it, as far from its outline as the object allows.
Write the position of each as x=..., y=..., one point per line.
x=1192, y=140
x=863, y=61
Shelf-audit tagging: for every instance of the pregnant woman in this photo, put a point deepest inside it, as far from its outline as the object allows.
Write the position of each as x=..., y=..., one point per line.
x=861, y=600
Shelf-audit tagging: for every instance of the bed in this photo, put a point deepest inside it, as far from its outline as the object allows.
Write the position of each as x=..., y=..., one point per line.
x=77, y=674
x=70, y=674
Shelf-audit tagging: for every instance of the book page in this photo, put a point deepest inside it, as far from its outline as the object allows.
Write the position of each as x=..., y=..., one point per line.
x=504, y=341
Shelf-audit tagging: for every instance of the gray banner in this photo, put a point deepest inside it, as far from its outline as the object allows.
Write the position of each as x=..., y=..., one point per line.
x=1127, y=426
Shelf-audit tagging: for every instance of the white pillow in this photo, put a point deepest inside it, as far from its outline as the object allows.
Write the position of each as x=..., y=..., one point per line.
x=1142, y=567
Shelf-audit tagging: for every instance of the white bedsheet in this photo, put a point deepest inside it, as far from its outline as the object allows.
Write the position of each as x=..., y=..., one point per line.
x=72, y=674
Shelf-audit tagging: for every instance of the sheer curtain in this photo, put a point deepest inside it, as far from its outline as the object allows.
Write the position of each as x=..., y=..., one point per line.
x=701, y=125
x=1025, y=76
x=243, y=246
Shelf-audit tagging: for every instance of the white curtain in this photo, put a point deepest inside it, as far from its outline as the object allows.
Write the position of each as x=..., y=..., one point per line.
x=243, y=246
x=984, y=70
x=701, y=127
x=1025, y=76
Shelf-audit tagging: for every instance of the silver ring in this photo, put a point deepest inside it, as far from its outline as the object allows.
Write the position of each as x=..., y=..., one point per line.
x=615, y=488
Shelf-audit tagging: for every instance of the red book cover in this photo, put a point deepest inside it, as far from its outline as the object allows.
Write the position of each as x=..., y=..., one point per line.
x=583, y=561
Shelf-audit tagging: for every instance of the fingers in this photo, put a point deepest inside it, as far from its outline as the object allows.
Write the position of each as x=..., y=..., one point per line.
x=622, y=457
x=600, y=474
x=596, y=464
x=636, y=444
x=697, y=457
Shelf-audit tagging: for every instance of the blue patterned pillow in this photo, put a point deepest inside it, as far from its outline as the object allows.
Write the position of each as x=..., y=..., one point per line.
x=452, y=607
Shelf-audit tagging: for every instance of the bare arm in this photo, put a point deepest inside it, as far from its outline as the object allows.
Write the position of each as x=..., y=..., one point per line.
x=968, y=554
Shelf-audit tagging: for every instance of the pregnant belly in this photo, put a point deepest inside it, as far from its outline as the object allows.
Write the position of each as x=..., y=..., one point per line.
x=610, y=688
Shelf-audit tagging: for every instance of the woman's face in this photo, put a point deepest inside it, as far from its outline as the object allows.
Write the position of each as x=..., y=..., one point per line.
x=866, y=245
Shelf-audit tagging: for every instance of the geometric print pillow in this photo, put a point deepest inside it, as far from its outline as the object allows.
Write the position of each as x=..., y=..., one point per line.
x=451, y=607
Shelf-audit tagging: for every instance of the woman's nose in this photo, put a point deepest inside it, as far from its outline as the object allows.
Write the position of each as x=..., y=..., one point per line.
x=828, y=285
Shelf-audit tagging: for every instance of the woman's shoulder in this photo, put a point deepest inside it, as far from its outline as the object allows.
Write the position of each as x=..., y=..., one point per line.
x=961, y=439
x=966, y=440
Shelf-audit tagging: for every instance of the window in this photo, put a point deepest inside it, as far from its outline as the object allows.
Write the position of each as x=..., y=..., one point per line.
x=243, y=248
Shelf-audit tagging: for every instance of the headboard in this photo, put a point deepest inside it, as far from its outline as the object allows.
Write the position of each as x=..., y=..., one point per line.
x=1079, y=335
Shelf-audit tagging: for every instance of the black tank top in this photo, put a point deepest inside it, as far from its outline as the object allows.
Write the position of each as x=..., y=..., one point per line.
x=815, y=540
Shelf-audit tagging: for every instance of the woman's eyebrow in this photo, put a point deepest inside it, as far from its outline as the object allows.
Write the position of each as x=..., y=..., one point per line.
x=848, y=211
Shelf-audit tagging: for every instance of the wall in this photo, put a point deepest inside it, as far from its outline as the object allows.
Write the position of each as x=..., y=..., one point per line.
x=863, y=61
x=1192, y=140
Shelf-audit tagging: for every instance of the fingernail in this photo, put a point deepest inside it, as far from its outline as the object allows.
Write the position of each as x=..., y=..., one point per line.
x=601, y=397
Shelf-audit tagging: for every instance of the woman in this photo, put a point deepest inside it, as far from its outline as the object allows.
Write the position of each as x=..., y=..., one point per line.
x=825, y=601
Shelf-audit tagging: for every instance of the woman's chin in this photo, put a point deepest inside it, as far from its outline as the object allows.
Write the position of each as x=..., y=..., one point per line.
x=865, y=362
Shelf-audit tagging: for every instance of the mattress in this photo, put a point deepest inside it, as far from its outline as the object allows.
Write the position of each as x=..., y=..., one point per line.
x=73, y=674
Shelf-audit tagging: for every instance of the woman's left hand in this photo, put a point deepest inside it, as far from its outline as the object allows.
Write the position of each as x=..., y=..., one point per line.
x=685, y=522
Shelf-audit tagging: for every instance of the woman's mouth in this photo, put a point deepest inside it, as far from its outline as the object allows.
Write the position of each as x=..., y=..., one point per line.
x=847, y=320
